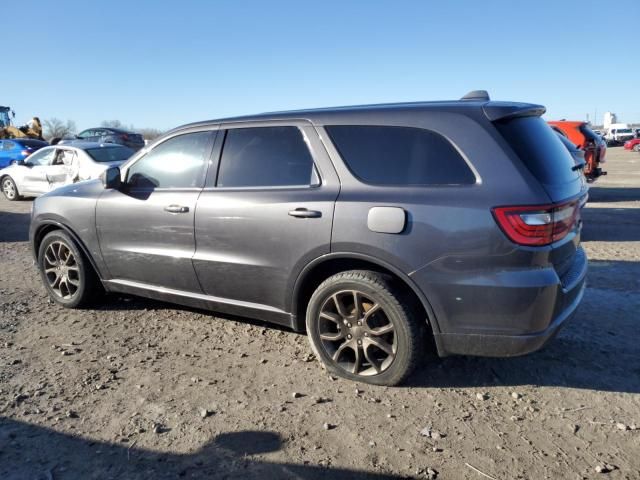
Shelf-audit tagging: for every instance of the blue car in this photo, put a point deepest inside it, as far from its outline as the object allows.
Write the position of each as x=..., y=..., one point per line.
x=17, y=149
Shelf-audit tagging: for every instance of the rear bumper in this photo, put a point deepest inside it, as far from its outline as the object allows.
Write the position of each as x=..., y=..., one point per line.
x=487, y=345
x=538, y=312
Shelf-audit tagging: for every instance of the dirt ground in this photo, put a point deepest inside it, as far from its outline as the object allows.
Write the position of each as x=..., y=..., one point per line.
x=140, y=389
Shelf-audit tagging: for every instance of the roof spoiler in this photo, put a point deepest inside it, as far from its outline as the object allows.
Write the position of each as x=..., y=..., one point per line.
x=476, y=95
x=495, y=111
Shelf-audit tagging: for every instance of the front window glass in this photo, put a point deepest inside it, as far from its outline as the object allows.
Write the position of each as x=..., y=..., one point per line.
x=179, y=162
x=42, y=157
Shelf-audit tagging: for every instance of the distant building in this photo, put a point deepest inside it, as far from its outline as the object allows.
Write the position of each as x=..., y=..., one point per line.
x=609, y=118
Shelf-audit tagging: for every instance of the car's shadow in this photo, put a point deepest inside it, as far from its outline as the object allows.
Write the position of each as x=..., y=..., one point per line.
x=597, y=350
x=31, y=451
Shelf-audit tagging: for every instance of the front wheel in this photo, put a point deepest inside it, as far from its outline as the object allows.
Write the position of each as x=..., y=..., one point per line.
x=66, y=273
x=363, y=328
x=9, y=189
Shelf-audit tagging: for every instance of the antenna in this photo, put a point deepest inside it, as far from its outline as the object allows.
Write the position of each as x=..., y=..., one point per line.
x=477, y=95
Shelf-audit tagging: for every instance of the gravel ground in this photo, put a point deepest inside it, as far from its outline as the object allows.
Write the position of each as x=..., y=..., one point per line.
x=140, y=389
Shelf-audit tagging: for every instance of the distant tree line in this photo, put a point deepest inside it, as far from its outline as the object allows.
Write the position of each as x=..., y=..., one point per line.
x=56, y=128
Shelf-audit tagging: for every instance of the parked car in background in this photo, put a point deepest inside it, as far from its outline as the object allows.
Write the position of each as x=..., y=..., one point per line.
x=17, y=149
x=54, y=166
x=618, y=133
x=595, y=148
x=369, y=227
x=633, y=144
x=133, y=140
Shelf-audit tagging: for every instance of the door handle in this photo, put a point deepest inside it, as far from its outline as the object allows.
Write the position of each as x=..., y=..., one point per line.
x=304, y=213
x=176, y=209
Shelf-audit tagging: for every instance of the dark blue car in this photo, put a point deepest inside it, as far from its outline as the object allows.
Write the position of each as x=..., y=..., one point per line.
x=17, y=149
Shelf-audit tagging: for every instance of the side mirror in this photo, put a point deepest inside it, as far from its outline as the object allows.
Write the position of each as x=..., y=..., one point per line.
x=111, y=178
x=25, y=163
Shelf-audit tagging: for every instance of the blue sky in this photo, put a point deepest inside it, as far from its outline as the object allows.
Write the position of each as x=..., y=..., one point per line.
x=163, y=63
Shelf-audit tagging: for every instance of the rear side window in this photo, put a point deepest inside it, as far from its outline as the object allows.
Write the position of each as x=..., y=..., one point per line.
x=540, y=149
x=179, y=162
x=399, y=155
x=266, y=157
x=109, y=154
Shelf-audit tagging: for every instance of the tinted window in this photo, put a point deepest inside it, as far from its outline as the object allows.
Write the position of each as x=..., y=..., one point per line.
x=109, y=154
x=177, y=163
x=540, y=149
x=8, y=145
x=266, y=157
x=400, y=156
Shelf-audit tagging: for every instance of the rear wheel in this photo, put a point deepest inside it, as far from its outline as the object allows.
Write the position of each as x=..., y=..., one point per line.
x=9, y=189
x=65, y=271
x=363, y=328
x=636, y=147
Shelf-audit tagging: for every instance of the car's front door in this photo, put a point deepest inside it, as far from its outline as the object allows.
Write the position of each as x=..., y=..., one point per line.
x=268, y=214
x=34, y=176
x=145, y=228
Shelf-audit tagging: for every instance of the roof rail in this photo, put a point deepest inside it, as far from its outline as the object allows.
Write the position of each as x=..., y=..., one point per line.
x=477, y=95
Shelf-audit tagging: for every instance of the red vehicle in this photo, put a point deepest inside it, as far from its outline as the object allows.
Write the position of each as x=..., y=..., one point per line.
x=633, y=144
x=595, y=148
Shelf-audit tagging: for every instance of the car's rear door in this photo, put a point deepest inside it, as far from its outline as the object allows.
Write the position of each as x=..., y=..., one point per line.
x=146, y=228
x=266, y=216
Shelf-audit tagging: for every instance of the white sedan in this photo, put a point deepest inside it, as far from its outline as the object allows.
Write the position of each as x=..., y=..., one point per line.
x=52, y=167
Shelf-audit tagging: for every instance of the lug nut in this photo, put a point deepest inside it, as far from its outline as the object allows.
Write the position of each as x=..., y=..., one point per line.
x=366, y=334
x=349, y=337
x=359, y=342
x=349, y=325
x=359, y=323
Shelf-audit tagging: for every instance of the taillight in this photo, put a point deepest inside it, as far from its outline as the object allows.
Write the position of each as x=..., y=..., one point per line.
x=537, y=225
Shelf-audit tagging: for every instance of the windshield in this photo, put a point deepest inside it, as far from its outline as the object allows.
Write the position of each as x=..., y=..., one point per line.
x=109, y=154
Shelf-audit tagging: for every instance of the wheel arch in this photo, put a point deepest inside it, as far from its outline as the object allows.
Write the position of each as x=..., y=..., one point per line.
x=323, y=267
x=8, y=175
x=48, y=226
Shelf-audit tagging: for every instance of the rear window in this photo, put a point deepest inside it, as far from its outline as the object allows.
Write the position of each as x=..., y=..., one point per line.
x=33, y=143
x=109, y=154
x=381, y=155
x=540, y=149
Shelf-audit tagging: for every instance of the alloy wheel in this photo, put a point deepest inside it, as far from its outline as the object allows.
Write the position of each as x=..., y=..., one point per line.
x=9, y=188
x=61, y=270
x=356, y=333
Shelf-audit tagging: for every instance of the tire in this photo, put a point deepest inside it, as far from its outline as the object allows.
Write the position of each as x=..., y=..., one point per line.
x=55, y=141
x=66, y=273
x=9, y=189
x=636, y=147
x=384, y=317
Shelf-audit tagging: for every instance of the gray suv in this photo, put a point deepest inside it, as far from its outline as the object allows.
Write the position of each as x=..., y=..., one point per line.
x=370, y=227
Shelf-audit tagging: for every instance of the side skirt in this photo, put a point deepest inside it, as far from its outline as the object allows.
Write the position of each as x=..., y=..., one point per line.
x=202, y=301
